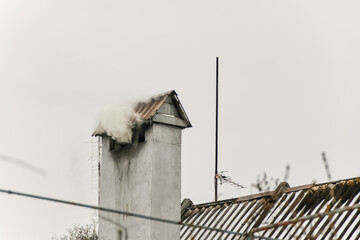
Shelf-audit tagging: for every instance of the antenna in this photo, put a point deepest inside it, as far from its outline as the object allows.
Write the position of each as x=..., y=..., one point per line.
x=228, y=179
x=99, y=166
x=216, y=129
x=92, y=158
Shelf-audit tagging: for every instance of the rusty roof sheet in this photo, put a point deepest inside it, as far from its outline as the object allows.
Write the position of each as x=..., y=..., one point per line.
x=249, y=213
x=147, y=109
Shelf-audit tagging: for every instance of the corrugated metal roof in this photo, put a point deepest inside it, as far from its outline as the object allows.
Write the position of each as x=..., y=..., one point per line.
x=147, y=109
x=251, y=212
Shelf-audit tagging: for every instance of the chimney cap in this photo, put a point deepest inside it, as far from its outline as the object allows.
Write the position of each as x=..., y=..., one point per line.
x=164, y=108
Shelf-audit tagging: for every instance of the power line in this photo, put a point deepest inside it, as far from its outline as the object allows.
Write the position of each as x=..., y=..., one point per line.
x=120, y=212
x=247, y=236
x=23, y=164
x=326, y=166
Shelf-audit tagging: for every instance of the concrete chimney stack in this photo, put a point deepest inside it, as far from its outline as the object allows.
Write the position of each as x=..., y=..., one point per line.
x=144, y=176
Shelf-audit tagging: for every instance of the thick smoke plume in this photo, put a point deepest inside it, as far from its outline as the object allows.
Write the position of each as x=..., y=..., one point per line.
x=117, y=123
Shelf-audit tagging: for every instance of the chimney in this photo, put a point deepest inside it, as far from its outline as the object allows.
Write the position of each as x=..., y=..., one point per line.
x=144, y=176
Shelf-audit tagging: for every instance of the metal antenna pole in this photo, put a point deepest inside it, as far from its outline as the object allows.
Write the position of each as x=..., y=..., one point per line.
x=217, y=129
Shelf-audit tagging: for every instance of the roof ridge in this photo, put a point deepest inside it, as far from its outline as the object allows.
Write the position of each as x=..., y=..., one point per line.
x=270, y=193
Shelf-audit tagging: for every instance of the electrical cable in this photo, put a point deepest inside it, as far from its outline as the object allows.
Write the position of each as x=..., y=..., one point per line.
x=249, y=237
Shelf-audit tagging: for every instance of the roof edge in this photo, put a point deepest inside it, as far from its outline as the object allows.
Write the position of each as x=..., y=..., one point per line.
x=266, y=194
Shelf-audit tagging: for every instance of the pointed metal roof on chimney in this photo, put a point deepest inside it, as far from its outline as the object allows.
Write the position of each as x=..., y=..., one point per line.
x=164, y=108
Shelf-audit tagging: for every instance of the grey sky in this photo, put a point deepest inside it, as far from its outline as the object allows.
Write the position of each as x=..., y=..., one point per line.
x=289, y=75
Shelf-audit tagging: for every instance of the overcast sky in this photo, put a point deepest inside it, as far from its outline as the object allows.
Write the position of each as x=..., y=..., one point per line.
x=289, y=89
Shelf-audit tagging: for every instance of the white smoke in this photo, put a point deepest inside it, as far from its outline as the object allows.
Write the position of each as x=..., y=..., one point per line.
x=117, y=123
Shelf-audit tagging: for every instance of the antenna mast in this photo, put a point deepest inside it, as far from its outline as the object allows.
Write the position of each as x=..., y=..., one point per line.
x=216, y=129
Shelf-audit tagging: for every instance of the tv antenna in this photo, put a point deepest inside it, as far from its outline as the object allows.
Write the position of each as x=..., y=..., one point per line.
x=228, y=179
